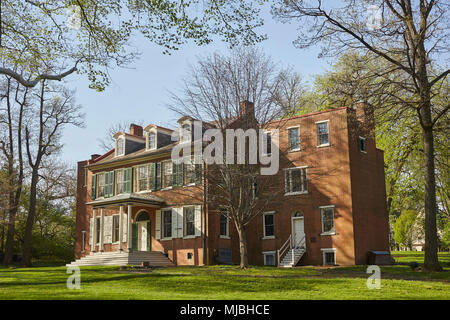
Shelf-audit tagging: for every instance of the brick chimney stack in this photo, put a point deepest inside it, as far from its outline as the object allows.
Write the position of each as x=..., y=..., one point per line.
x=94, y=156
x=136, y=130
x=247, y=108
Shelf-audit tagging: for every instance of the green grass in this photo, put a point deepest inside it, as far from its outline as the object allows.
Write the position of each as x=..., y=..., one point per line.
x=418, y=256
x=224, y=282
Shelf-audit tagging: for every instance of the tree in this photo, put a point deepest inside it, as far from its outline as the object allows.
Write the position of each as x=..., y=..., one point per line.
x=55, y=108
x=52, y=39
x=404, y=230
x=410, y=38
x=239, y=91
x=107, y=142
x=14, y=98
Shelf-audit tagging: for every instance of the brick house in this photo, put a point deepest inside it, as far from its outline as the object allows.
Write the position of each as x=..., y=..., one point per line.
x=135, y=205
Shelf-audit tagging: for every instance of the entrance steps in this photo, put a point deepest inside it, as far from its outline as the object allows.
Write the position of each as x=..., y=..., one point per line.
x=154, y=258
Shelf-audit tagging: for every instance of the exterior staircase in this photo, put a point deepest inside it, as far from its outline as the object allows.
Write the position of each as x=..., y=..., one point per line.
x=290, y=253
x=154, y=259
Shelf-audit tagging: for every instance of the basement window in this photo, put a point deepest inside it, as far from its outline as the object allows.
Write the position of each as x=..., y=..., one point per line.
x=329, y=256
x=269, y=258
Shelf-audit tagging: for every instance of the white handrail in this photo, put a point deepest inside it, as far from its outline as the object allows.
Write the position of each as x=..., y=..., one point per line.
x=290, y=244
x=283, y=248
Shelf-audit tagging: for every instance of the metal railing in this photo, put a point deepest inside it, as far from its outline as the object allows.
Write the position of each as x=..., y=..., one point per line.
x=289, y=244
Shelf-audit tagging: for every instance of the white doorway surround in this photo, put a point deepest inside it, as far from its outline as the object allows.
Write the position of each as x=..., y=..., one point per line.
x=142, y=236
x=298, y=230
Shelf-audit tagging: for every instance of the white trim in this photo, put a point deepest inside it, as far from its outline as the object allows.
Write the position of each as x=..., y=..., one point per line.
x=227, y=236
x=163, y=237
x=299, y=147
x=147, y=134
x=333, y=231
x=269, y=253
x=327, y=250
x=184, y=223
x=83, y=241
x=322, y=121
x=317, y=133
x=122, y=136
x=180, y=132
x=112, y=227
x=365, y=145
x=265, y=237
x=290, y=193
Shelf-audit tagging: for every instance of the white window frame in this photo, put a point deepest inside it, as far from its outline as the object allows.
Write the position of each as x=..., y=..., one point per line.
x=227, y=236
x=100, y=178
x=138, y=179
x=116, y=180
x=365, y=145
x=189, y=161
x=182, y=136
x=98, y=230
x=290, y=193
x=270, y=253
x=147, y=139
x=267, y=132
x=186, y=236
x=163, y=236
x=317, y=133
x=328, y=250
x=289, y=141
x=121, y=137
x=163, y=177
x=327, y=233
x=112, y=226
x=266, y=237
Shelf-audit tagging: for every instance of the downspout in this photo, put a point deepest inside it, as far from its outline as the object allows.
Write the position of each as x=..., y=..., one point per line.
x=204, y=212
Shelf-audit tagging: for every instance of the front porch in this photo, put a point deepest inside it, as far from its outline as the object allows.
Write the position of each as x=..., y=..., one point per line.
x=120, y=232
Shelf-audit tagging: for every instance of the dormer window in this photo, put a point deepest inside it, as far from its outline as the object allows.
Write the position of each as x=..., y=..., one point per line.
x=152, y=140
x=186, y=132
x=120, y=146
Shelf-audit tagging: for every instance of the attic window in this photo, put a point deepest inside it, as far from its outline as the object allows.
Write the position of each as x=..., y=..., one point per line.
x=186, y=132
x=152, y=140
x=120, y=146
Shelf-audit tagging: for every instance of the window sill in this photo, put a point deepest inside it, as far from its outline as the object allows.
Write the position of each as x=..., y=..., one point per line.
x=362, y=151
x=167, y=188
x=225, y=237
x=189, y=237
x=328, y=234
x=268, y=238
x=189, y=185
x=295, y=193
x=323, y=145
x=294, y=150
x=165, y=239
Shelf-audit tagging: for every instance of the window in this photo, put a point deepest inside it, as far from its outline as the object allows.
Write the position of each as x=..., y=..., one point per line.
x=115, y=234
x=189, y=221
x=83, y=241
x=329, y=256
x=97, y=229
x=143, y=178
x=167, y=174
x=327, y=214
x=362, y=144
x=294, y=139
x=224, y=225
x=152, y=140
x=186, y=133
x=189, y=172
x=267, y=143
x=269, y=258
x=322, y=134
x=296, y=182
x=167, y=223
x=101, y=185
x=120, y=147
x=255, y=189
x=269, y=227
x=120, y=181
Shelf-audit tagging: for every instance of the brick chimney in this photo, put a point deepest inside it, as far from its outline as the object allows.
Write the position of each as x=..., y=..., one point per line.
x=136, y=130
x=94, y=156
x=247, y=108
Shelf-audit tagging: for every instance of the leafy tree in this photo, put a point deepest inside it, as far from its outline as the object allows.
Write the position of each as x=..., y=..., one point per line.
x=404, y=228
x=410, y=37
x=51, y=39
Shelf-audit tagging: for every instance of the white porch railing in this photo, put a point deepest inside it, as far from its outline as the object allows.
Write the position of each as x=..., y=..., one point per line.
x=290, y=245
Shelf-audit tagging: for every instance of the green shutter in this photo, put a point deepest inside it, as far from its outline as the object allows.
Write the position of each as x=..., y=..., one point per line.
x=134, y=236
x=128, y=180
x=158, y=176
x=152, y=176
x=111, y=184
x=198, y=173
x=174, y=175
x=180, y=174
x=94, y=187
x=177, y=175
x=148, y=236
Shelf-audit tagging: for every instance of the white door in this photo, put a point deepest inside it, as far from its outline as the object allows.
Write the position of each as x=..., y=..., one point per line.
x=298, y=230
x=142, y=236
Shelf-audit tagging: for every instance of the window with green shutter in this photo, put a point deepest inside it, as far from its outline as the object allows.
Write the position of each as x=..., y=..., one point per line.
x=109, y=184
x=94, y=187
x=178, y=175
x=198, y=173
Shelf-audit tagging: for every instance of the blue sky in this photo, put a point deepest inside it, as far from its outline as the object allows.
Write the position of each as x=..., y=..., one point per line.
x=140, y=91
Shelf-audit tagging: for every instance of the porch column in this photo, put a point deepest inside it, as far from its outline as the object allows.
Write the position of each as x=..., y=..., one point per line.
x=94, y=230
x=102, y=228
x=129, y=235
x=120, y=227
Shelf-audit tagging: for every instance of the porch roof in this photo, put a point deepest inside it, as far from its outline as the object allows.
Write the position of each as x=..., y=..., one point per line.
x=130, y=198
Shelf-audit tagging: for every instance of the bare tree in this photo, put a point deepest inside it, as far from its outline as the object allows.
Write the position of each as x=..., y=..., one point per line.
x=106, y=143
x=55, y=108
x=14, y=98
x=411, y=37
x=241, y=91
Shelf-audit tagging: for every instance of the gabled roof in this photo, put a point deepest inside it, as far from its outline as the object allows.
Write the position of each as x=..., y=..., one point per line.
x=147, y=199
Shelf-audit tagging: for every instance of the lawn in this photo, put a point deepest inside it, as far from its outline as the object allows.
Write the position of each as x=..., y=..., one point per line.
x=228, y=282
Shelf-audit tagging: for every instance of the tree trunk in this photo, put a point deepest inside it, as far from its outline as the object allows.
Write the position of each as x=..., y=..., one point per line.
x=243, y=248
x=26, y=254
x=431, y=262
x=9, y=246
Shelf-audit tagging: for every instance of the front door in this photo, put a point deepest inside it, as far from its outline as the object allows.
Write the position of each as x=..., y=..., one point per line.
x=298, y=230
x=142, y=236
